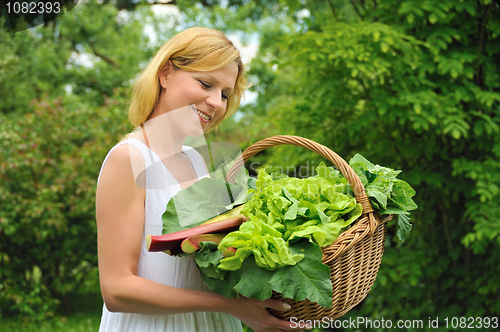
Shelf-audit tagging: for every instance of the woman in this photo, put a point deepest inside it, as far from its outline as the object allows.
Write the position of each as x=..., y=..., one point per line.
x=193, y=83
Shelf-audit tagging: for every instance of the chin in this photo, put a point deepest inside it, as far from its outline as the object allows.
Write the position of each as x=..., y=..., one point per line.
x=195, y=132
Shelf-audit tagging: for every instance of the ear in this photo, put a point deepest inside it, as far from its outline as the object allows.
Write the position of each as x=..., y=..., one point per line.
x=164, y=72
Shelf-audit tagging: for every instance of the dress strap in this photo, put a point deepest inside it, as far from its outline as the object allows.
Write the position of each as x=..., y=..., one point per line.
x=197, y=161
x=147, y=143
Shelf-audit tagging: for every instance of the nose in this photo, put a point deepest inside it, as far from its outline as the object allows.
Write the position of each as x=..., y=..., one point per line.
x=214, y=100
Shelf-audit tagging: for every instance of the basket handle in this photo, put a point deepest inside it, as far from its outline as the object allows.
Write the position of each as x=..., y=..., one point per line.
x=341, y=164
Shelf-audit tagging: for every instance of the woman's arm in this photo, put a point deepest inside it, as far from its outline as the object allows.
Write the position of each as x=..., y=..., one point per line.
x=120, y=226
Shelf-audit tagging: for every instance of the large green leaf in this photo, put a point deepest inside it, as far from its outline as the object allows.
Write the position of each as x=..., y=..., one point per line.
x=207, y=258
x=200, y=202
x=308, y=279
x=254, y=281
x=404, y=227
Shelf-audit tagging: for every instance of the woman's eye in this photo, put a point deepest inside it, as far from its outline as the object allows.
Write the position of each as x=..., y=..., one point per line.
x=205, y=85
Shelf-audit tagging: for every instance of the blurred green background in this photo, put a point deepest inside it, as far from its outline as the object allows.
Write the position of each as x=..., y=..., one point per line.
x=411, y=85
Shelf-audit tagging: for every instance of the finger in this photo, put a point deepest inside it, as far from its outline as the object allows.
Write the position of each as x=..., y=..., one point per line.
x=277, y=305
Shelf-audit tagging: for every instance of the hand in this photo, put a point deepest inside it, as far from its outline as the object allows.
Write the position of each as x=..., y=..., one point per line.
x=255, y=315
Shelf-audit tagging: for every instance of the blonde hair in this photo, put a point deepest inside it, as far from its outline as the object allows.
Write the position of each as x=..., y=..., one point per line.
x=194, y=49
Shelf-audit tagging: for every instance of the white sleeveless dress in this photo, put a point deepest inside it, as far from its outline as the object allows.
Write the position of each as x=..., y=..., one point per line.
x=162, y=268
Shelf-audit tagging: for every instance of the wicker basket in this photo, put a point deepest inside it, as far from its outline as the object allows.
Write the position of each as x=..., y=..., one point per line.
x=354, y=258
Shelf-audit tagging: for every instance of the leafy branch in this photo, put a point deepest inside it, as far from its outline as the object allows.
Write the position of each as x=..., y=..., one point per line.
x=102, y=56
x=332, y=8
x=481, y=46
x=355, y=6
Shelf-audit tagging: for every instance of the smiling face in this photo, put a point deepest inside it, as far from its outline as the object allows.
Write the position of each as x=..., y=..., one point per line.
x=207, y=91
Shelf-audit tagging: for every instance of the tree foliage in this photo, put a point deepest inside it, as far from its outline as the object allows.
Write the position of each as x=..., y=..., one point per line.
x=413, y=85
x=89, y=51
x=59, y=115
x=50, y=159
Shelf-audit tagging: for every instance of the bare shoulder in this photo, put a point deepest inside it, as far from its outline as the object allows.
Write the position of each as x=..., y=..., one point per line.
x=125, y=161
x=118, y=182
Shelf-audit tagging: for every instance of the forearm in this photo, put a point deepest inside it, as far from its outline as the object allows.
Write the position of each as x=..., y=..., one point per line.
x=138, y=295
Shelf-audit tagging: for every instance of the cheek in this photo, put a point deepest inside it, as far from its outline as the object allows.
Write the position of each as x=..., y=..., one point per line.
x=222, y=112
x=185, y=95
x=184, y=92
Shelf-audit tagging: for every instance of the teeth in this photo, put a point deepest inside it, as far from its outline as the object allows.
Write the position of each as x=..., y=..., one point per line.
x=203, y=115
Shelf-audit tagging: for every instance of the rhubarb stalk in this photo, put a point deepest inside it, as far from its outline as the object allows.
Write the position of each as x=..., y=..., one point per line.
x=173, y=240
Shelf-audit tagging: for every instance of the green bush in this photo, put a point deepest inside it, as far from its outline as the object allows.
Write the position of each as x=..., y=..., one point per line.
x=50, y=161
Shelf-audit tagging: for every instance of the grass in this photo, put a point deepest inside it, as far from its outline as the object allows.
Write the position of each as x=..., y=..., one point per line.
x=79, y=322
x=85, y=317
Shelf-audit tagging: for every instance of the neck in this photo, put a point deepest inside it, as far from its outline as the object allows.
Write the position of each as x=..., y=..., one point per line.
x=163, y=136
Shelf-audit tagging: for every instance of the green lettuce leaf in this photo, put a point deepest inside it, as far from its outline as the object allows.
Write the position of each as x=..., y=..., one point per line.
x=387, y=194
x=402, y=195
x=404, y=227
x=263, y=241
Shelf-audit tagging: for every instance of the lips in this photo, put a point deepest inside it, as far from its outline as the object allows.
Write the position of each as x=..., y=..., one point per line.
x=203, y=116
